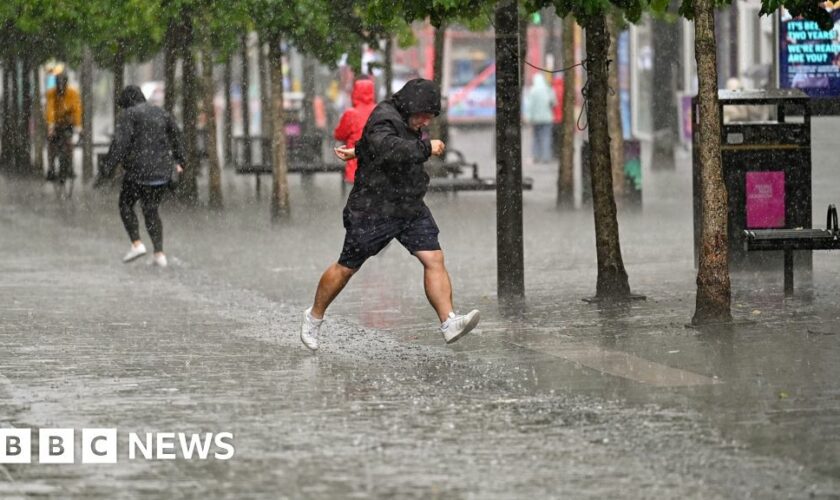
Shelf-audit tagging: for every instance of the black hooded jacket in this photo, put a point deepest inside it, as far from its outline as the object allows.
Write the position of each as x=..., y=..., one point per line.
x=390, y=179
x=147, y=141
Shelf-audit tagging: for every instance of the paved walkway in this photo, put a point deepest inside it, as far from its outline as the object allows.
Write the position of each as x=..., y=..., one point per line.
x=567, y=400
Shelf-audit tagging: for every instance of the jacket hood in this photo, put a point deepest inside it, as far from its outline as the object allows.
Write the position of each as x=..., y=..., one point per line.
x=130, y=96
x=418, y=96
x=539, y=82
x=363, y=92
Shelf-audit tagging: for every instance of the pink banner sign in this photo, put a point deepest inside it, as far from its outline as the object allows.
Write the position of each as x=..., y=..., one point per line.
x=765, y=200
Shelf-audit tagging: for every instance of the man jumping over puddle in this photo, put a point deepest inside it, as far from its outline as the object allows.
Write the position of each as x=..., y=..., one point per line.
x=387, y=202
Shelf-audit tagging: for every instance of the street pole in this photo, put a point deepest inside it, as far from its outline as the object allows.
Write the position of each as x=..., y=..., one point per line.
x=509, y=247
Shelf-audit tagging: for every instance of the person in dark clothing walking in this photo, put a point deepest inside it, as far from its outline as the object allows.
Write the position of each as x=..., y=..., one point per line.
x=148, y=144
x=386, y=202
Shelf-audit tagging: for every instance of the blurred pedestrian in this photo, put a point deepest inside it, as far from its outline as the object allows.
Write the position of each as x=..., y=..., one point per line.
x=539, y=113
x=147, y=143
x=739, y=112
x=349, y=129
x=386, y=202
x=63, y=112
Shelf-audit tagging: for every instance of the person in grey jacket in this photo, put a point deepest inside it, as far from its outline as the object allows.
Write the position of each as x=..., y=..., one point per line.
x=539, y=113
x=147, y=143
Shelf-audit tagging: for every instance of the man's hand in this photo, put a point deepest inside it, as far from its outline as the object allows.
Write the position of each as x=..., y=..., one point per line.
x=345, y=154
x=179, y=169
x=438, y=147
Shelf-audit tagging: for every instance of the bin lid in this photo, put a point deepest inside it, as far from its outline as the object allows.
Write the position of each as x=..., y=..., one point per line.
x=771, y=96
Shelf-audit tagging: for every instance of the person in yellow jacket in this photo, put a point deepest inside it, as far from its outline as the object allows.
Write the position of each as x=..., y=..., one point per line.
x=63, y=113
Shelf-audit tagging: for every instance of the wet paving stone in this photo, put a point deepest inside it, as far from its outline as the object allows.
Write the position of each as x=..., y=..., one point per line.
x=567, y=400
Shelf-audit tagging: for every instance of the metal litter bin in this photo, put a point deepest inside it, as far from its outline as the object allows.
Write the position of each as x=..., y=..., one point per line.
x=766, y=159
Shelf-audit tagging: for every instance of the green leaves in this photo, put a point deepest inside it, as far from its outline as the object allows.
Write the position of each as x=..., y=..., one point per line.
x=686, y=9
x=322, y=28
x=770, y=6
x=630, y=10
x=633, y=10
x=123, y=29
x=38, y=27
x=660, y=6
x=809, y=9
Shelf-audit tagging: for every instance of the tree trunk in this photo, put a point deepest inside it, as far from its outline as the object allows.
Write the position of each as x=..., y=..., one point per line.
x=265, y=91
x=354, y=59
x=552, y=59
x=14, y=118
x=245, y=93
x=227, y=122
x=614, y=114
x=87, y=115
x=440, y=126
x=188, y=187
x=309, y=95
x=214, y=188
x=565, y=177
x=666, y=56
x=510, y=252
x=6, y=145
x=119, y=82
x=265, y=105
x=389, y=66
x=40, y=126
x=280, y=192
x=170, y=61
x=612, y=278
x=551, y=36
x=523, y=45
x=713, y=287
x=25, y=146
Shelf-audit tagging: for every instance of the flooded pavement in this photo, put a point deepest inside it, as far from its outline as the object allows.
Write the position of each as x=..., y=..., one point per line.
x=563, y=399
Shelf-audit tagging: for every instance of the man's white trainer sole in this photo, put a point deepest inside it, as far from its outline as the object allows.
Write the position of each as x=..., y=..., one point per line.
x=467, y=329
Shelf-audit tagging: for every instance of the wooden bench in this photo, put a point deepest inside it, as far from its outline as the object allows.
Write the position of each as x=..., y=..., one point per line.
x=789, y=240
x=446, y=176
x=293, y=168
x=253, y=156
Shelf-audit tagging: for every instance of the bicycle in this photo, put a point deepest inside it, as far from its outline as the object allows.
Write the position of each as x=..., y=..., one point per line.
x=60, y=147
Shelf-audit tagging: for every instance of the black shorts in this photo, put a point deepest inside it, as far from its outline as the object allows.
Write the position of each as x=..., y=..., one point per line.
x=367, y=234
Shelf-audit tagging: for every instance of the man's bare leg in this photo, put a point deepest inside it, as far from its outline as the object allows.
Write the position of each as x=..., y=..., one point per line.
x=436, y=282
x=332, y=282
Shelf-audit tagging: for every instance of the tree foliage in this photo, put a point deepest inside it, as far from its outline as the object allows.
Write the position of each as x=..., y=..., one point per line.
x=40, y=27
x=121, y=30
x=134, y=29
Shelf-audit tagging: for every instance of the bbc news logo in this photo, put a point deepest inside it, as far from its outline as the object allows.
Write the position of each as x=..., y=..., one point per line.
x=99, y=446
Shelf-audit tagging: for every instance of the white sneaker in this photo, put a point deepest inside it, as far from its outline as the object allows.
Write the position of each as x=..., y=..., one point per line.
x=160, y=260
x=457, y=326
x=309, y=329
x=135, y=253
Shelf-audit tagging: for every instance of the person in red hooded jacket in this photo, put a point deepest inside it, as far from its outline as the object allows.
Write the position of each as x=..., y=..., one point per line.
x=559, y=85
x=353, y=121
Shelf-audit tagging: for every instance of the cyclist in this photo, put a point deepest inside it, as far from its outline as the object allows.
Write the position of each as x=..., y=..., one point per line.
x=63, y=113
